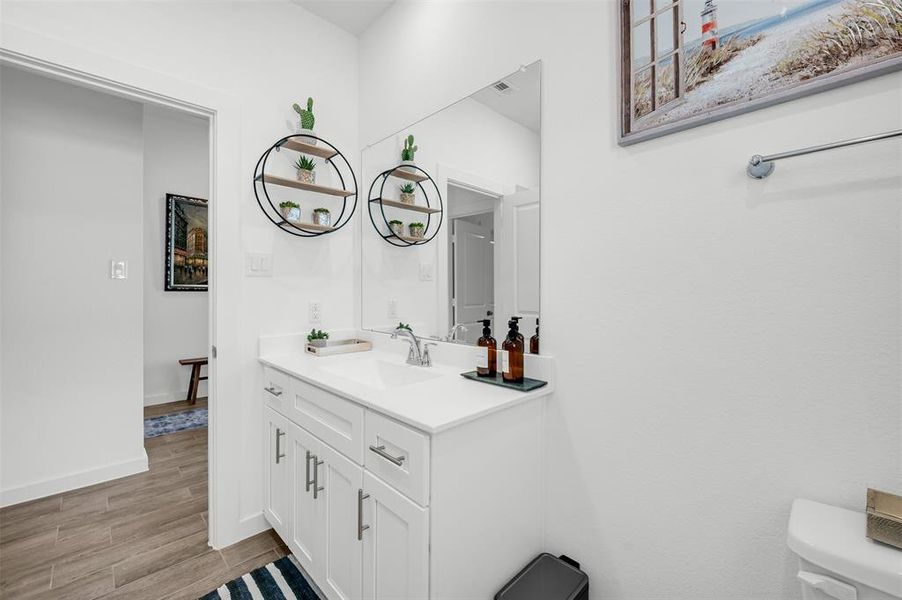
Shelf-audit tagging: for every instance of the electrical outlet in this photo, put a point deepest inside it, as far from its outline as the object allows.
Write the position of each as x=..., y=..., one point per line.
x=315, y=314
x=392, y=309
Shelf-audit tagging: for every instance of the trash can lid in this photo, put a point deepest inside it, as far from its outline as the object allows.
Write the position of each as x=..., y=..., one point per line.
x=545, y=578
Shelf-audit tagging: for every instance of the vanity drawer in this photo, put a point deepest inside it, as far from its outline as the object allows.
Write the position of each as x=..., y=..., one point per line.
x=275, y=387
x=332, y=419
x=399, y=455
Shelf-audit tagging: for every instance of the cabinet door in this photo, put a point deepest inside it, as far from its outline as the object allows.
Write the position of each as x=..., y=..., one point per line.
x=395, y=545
x=341, y=564
x=277, y=472
x=306, y=539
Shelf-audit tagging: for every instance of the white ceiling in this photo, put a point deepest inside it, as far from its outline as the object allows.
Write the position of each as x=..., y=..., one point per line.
x=521, y=103
x=353, y=16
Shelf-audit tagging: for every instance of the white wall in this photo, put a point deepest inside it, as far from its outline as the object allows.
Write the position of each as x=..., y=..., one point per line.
x=472, y=140
x=176, y=160
x=244, y=51
x=71, y=346
x=723, y=345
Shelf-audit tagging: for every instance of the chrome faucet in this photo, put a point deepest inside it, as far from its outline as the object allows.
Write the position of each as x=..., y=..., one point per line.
x=416, y=356
x=452, y=333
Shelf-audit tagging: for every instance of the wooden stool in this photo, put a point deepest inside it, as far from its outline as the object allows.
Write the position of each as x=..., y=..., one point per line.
x=196, y=364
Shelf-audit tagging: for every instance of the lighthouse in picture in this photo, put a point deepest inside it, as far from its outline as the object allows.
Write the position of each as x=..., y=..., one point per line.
x=709, y=26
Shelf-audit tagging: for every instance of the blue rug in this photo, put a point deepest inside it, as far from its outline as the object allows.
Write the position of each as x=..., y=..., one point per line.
x=180, y=421
x=280, y=580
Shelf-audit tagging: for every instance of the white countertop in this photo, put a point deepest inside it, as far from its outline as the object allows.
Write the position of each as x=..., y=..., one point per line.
x=433, y=405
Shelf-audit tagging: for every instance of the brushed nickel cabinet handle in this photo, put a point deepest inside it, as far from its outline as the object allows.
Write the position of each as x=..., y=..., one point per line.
x=273, y=390
x=307, y=479
x=380, y=450
x=316, y=487
x=360, y=526
x=279, y=454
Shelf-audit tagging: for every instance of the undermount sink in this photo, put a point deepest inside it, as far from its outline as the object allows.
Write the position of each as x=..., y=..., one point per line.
x=378, y=373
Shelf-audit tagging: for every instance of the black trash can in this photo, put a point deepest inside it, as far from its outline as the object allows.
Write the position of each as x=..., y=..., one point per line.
x=547, y=577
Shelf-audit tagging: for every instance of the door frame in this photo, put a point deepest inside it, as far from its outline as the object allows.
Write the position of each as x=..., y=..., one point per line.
x=35, y=53
x=447, y=175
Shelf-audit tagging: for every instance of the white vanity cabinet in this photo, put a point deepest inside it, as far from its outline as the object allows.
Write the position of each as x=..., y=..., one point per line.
x=375, y=508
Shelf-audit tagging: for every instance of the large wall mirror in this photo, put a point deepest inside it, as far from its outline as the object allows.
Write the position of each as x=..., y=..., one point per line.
x=483, y=157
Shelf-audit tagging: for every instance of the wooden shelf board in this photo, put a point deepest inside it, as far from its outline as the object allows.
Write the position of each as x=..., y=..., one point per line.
x=305, y=148
x=413, y=207
x=407, y=238
x=309, y=187
x=308, y=226
x=402, y=174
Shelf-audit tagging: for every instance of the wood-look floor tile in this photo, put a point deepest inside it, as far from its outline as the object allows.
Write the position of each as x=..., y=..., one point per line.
x=71, y=567
x=214, y=581
x=29, y=510
x=88, y=587
x=126, y=512
x=160, y=558
x=45, y=547
x=31, y=578
x=172, y=579
x=150, y=522
x=249, y=548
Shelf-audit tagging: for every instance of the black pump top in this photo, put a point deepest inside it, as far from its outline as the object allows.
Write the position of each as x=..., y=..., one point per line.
x=514, y=325
x=486, y=331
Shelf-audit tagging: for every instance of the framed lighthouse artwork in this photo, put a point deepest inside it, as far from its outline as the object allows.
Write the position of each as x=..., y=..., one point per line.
x=689, y=62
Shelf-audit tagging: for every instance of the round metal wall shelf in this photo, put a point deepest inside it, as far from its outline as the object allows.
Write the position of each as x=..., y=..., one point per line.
x=329, y=153
x=434, y=206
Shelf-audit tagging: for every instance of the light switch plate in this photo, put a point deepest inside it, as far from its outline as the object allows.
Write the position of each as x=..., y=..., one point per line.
x=257, y=264
x=427, y=272
x=118, y=269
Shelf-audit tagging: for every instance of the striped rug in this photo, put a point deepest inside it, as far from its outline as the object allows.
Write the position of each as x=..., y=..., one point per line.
x=279, y=580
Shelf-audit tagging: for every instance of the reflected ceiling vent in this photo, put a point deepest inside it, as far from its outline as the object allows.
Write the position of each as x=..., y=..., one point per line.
x=502, y=87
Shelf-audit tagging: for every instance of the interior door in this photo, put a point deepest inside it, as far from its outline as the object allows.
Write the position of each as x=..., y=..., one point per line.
x=473, y=276
x=306, y=539
x=341, y=564
x=278, y=461
x=396, y=545
x=518, y=265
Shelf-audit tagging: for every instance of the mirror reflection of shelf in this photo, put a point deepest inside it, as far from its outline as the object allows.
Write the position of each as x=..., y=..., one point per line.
x=407, y=238
x=304, y=148
x=409, y=176
x=403, y=206
x=309, y=187
x=307, y=226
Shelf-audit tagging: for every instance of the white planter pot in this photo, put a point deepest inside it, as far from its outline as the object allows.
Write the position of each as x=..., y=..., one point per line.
x=417, y=232
x=290, y=213
x=408, y=166
x=307, y=176
x=396, y=228
x=408, y=198
x=307, y=140
x=321, y=218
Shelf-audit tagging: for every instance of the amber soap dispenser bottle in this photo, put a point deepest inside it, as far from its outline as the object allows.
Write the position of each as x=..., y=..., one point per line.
x=512, y=355
x=487, y=348
x=534, y=341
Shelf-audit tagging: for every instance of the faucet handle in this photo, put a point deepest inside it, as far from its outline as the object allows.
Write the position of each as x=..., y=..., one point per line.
x=427, y=358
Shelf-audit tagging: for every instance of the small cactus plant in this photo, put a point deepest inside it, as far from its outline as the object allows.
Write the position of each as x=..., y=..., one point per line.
x=307, y=119
x=306, y=163
x=407, y=154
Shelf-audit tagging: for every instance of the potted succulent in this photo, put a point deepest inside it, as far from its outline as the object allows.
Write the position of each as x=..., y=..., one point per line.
x=408, y=193
x=291, y=211
x=306, y=120
x=305, y=166
x=404, y=326
x=407, y=155
x=317, y=338
x=397, y=227
x=416, y=230
x=322, y=216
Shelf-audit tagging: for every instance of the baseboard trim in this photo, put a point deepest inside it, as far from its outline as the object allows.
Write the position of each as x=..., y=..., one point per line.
x=73, y=481
x=176, y=396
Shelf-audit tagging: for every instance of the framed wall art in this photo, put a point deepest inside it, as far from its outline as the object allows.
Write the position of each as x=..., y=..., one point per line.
x=187, y=265
x=689, y=62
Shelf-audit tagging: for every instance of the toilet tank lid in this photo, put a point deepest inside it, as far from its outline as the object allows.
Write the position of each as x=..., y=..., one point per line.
x=834, y=538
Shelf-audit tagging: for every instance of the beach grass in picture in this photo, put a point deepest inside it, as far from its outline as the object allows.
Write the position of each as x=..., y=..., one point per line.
x=694, y=61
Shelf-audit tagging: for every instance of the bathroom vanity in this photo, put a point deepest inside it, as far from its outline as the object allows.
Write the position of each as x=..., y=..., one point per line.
x=393, y=481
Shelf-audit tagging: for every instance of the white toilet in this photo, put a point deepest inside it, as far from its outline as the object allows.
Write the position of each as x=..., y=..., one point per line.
x=836, y=560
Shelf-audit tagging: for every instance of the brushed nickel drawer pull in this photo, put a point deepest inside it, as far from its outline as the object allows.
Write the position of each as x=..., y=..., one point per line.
x=279, y=453
x=273, y=390
x=380, y=450
x=360, y=526
x=307, y=468
x=316, y=487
